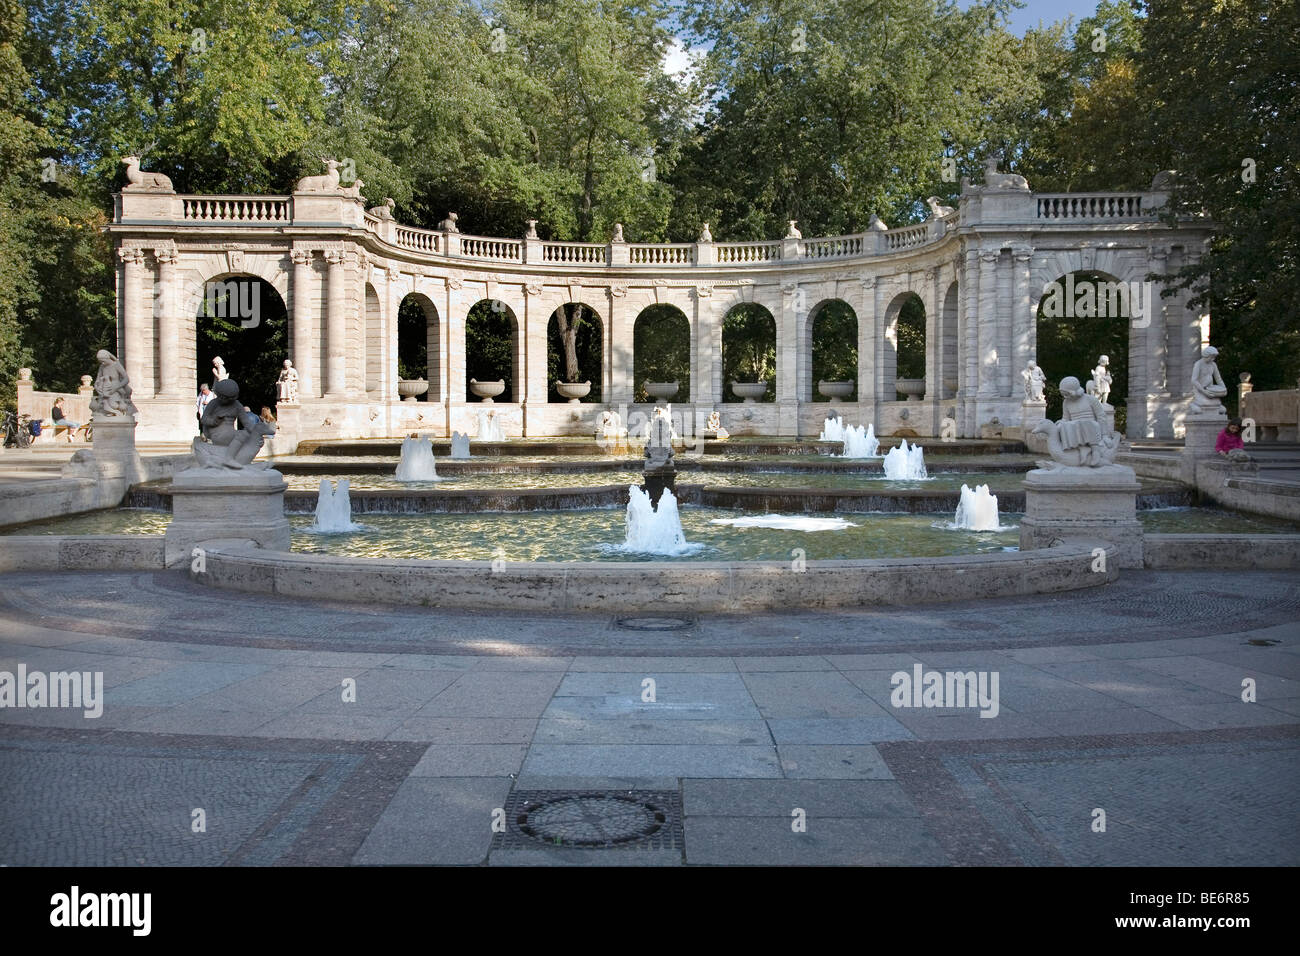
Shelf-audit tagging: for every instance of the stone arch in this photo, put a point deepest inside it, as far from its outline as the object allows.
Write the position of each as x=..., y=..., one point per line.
x=493, y=348
x=902, y=345
x=373, y=326
x=831, y=346
x=661, y=349
x=749, y=338
x=419, y=338
x=1080, y=316
x=592, y=346
x=242, y=317
x=948, y=351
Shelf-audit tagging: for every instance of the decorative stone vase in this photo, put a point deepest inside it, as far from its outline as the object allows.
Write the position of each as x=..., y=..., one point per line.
x=24, y=375
x=411, y=388
x=573, y=391
x=749, y=391
x=662, y=391
x=913, y=388
x=487, y=390
x=835, y=390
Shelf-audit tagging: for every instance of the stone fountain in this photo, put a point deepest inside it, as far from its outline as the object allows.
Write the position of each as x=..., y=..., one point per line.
x=660, y=469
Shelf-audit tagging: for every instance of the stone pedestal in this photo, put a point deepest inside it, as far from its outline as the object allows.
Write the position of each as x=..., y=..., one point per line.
x=112, y=453
x=1092, y=503
x=1031, y=413
x=1201, y=431
x=211, y=505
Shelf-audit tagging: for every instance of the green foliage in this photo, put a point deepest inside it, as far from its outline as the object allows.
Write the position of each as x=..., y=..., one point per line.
x=1221, y=76
x=412, y=341
x=834, y=347
x=661, y=350
x=911, y=339
x=748, y=349
x=489, y=347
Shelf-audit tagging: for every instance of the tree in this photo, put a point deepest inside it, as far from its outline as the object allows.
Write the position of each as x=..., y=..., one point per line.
x=1222, y=77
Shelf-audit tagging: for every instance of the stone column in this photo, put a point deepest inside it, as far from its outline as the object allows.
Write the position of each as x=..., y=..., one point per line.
x=336, y=349
x=1148, y=381
x=868, y=316
x=456, y=311
x=986, y=320
x=708, y=365
x=169, y=379
x=304, y=293
x=969, y=359
x=621, y=320
x=394, y=290
x=134, y=347
x=1023, y=345
x=933, y=338
x=787, y=347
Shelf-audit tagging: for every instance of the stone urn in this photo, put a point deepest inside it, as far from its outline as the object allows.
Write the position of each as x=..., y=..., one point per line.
x=411, y=388
x=662, y=391
x=749, y=391
x=24, y=375
x=487, y=390
x=835, y=391
x=913, y=388
x=573, y=391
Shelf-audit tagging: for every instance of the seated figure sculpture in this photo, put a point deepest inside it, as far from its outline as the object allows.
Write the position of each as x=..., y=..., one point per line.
x=1082, y=438
x=234, y=435
x=1207, y=383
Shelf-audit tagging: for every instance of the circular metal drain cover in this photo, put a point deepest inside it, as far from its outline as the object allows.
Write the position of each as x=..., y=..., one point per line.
x=595, y=820
x=654, y=623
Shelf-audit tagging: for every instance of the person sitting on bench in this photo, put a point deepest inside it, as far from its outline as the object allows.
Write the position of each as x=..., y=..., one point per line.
x=62, y=421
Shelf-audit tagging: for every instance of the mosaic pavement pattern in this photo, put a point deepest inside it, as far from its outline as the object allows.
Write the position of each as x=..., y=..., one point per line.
x=319, y=734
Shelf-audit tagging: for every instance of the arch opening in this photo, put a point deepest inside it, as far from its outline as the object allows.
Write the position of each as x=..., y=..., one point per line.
x=748, y=350
x=492, y=348
x=661, y=351
x=575, y=342
x=242, y=319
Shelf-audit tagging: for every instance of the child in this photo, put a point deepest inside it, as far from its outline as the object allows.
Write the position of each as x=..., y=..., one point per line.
x=1230, y=438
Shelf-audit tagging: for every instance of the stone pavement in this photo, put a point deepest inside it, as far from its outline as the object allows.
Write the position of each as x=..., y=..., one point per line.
x=767, y=739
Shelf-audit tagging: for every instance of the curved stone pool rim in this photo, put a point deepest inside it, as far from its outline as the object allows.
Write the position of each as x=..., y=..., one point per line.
x=608, y=587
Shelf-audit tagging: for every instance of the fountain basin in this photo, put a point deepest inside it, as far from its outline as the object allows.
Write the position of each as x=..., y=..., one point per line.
x=835, y=391
x=575, y=392
x=662, y=391
x=411, y=388
x=487, y=390
x=751, y=392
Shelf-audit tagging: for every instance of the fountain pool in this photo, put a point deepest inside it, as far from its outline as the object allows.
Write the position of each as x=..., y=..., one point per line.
x=590, y=534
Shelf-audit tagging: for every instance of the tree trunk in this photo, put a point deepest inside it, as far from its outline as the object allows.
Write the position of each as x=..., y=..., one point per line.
x=568, y=323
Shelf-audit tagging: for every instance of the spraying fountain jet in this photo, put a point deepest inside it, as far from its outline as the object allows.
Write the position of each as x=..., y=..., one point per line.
x=333, y=508
x=417, y=461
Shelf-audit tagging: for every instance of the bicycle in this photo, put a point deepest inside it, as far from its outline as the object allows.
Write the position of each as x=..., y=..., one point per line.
x=16, y=431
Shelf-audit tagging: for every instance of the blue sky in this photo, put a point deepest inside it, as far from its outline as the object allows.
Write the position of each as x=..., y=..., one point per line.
x=1049, y=11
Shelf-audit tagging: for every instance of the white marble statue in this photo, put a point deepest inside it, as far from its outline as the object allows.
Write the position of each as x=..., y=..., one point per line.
x=714, y=425
x=1207, y=383
x=705, y=235
x=876, y=224
x=937, y=211
x=1034, y=381
x=794, y=232
x=154, y=182
x=286, y=385
x=326, y=183
x=1083, y=436
x=219, y=373
x=112, y=397
x=996, y=180
x=1102, y=378
x=449, y=224
x=618, y=233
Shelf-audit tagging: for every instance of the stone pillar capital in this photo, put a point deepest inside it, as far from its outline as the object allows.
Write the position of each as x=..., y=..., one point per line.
x=131, y=256
x=302, y=257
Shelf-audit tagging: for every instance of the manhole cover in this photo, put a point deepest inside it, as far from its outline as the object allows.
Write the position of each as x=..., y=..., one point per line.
x=654, y=623
x=584, y=819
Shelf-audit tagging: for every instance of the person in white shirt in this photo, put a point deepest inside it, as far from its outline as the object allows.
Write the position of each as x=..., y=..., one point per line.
x=205, y=396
